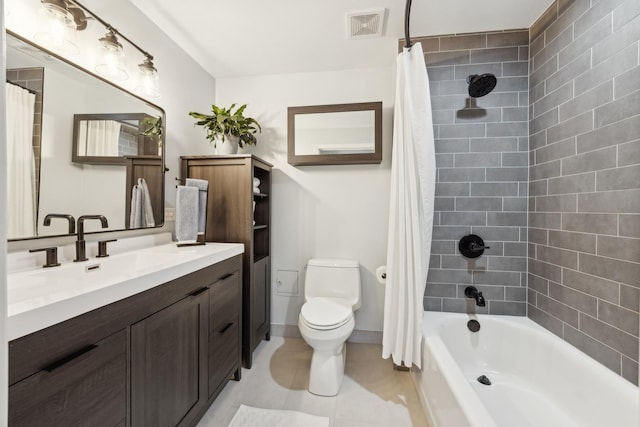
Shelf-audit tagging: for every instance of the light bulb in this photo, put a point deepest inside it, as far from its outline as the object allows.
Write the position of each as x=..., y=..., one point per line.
x=148, y=80
x=58, y=27
x=111, y=62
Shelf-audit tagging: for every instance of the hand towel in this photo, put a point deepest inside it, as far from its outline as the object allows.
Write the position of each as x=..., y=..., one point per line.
x=186, y=213
x=136, y=204
x=203, y=187
x=147, y=210
x=256, y=185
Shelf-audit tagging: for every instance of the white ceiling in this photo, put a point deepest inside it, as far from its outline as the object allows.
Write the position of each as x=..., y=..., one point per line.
x=253, y=37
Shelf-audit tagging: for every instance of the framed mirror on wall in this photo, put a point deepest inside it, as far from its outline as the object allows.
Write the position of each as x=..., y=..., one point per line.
x=337, y=134
x=51, y=174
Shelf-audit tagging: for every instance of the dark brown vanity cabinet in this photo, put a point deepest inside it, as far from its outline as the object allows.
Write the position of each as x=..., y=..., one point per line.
x=236, y=213
x=167, y=360
x=158, y=358
x=87, y=388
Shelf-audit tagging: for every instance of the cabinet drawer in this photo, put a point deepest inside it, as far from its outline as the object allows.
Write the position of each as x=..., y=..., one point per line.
x=224, y=330
x=87, y=388
x=224, y=354
x=224, y=301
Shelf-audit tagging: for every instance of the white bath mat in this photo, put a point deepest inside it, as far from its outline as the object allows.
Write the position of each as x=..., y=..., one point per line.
x=247, y=416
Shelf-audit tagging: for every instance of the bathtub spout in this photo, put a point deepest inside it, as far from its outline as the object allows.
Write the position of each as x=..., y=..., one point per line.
x=472, y=292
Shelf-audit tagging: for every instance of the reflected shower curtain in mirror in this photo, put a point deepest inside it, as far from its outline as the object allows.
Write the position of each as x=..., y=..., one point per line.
x=101, y=138
x=20, y=162
x=413, y=174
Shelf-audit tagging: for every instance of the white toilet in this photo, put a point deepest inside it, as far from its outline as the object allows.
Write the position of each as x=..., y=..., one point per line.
x=332, y=294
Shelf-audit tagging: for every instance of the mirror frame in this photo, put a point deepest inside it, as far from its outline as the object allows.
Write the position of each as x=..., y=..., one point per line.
x=334, y=159
x=161, y=110
x=106, y=160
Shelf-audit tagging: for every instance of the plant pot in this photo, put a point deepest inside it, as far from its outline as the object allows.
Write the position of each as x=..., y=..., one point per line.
x=228, y=146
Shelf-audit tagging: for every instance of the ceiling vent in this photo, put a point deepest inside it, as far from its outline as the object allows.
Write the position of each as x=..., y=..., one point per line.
x=365, y=24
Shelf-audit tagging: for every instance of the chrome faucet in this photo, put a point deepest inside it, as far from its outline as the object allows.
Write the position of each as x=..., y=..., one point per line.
x=70, y=218
x=472, y=292
x=81, y=250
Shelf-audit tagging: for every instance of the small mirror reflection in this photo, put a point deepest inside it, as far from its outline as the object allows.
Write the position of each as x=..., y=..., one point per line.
x=349, y=132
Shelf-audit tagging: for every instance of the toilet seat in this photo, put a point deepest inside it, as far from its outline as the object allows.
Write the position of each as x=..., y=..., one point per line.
x=326, y=313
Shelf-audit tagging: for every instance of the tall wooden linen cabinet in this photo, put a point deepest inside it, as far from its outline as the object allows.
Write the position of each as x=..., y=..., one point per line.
x=235, y=213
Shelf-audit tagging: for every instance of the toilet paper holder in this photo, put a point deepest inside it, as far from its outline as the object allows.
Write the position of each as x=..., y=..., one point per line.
x=381, y=274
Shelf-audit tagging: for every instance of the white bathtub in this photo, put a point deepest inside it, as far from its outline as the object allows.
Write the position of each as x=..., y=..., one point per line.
x=537, y=378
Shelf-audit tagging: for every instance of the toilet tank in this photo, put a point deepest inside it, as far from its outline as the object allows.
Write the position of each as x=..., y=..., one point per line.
x=333, y=278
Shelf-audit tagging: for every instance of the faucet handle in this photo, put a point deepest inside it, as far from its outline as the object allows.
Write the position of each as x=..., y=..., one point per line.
x=102, y=248
x=51, y=254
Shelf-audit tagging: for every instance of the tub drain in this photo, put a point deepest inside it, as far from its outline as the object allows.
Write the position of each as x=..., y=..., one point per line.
x=482, y=379
x=473, y=325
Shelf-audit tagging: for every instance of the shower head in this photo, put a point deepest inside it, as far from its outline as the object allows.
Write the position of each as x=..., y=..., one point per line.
x=481, y=85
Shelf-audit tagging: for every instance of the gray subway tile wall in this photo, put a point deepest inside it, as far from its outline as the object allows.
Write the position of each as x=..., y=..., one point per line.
x=584, y=235
x=482, y=170
x=567, y=105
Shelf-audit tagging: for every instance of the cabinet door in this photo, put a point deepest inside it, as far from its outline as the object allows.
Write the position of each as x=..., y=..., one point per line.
x=86, y=388
x=224, y=331
x=168, y=364
x=260, y=310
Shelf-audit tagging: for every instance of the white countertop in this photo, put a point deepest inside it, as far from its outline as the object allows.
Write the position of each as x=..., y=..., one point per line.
x=42, y=297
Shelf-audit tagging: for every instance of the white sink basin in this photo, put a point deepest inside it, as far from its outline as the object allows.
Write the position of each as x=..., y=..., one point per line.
x=43, y=297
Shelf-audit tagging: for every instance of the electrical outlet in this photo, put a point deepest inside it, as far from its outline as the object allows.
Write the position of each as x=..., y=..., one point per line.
x=169, y=214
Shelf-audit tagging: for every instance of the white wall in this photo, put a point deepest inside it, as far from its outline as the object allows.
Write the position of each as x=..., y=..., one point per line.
x=321, y=211
x=4, y=387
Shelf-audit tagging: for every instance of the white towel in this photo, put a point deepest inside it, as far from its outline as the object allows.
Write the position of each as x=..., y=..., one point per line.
x=256, y=185
x=136, y=204
x=186, y=213
x=147, y=217
x=203, y=187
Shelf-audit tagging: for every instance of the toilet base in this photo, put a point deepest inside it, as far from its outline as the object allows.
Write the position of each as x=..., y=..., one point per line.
x=327, y=371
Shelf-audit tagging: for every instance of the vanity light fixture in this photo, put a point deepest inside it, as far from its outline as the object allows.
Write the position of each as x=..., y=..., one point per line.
x=148, y=81
x=60, y=21
x=111, y=62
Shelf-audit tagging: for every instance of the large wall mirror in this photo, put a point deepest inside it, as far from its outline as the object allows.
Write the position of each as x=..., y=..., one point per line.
x=335, y=134
x=49, y=173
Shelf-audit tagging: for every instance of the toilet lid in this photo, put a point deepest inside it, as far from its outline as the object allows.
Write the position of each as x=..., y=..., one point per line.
x=326, y=313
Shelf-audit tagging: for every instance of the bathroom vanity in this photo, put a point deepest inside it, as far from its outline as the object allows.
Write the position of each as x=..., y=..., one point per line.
x=155, y=358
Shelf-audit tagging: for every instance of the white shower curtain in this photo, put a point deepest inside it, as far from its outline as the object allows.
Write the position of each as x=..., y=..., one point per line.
x=102, y=138
x=20, y=162
x=413, y=173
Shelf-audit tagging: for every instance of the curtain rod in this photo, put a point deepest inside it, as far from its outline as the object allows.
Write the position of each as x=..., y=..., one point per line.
x=22, y=87
x=407, y=16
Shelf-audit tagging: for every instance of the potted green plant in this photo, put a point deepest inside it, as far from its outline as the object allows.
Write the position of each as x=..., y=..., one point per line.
x=153, y=129
x=224, y=124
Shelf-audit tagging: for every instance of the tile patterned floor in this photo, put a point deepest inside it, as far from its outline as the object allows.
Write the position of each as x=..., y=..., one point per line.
x=372, y=393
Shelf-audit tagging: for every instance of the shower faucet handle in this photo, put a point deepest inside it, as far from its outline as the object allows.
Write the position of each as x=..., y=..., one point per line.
x=472, y=246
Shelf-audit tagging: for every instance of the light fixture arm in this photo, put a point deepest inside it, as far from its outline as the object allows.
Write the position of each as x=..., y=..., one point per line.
x=109, y=27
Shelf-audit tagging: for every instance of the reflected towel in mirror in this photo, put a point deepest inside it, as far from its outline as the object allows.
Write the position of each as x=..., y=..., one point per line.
x=141, y=211
x=186, y=213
